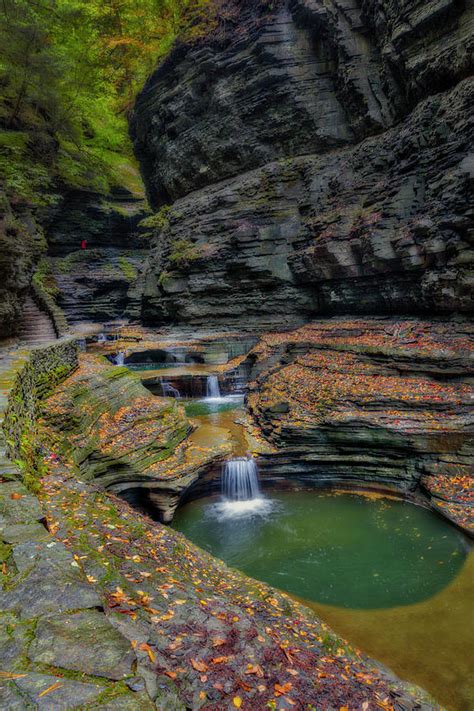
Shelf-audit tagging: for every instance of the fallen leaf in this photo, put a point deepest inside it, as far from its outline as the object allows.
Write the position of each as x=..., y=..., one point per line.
x=280, y=689
x=237, y=701
x=171, y=674
x=199, y=666
x=255, y=669
x=51, y=688
x=15, y=495
x=219, y=660
x=146, y=648
x=218, y=642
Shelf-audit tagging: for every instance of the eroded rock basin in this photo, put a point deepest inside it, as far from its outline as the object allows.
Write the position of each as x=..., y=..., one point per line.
x=392, y=577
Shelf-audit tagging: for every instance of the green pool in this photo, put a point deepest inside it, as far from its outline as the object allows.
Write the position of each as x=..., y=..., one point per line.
x=391, y=577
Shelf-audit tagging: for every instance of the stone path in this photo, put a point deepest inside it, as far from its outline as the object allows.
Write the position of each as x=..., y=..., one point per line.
x=58, y=649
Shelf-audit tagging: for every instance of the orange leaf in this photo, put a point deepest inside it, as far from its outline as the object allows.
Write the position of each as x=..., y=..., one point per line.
x=219, y=660
x=146, y=648
x=51, y=688
x=15, y=495
x=218, y=642
x=171, y=674
x=280, y=690
x=199, y=666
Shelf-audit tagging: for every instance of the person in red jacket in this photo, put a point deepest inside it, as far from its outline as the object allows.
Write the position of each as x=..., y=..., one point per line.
x=83, y=244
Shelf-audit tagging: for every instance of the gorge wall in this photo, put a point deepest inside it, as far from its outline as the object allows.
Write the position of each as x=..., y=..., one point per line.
x=311, y=159
x=101, y=282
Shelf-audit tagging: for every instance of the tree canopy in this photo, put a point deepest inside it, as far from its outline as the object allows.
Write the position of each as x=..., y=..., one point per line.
x=69, y=72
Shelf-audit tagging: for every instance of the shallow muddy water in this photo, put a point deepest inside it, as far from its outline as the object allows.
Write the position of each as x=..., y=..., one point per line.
x=393, y=578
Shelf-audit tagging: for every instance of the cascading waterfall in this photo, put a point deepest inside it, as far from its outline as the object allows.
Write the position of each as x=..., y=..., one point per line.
x=212, y=387
x=119, y=359
x=169, y=390
x=101, y=338
x=240, y=480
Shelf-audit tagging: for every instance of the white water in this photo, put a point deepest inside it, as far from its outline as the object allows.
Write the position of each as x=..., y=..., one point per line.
x=119, y=359
x=212, y=387
x=101, y=338
x=168, y=390
x=240, y=479
x=241, y=495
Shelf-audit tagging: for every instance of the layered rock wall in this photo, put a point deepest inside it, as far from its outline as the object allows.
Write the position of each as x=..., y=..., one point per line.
x=316, y=160
x=100, y=282
x=378, y=402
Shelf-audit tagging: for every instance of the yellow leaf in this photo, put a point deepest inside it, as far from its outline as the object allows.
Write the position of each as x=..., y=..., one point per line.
x=146, y=648
x=237, y=701
x=50, y=688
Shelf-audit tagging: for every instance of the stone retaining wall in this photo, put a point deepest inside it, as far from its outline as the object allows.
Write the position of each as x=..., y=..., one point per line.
x=41, y=373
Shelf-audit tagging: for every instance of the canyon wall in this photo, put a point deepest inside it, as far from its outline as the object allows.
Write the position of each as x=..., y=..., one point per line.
x=311, y=159
x=102, y=281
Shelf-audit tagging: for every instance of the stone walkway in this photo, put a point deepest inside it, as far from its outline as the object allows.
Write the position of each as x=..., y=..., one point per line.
x=58, y=649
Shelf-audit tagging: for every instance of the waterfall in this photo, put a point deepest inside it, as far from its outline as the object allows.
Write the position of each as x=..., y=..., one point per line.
x=240, y=480
x=168, y=390
x=212, y=387
x=101, y=338
x=119, y=359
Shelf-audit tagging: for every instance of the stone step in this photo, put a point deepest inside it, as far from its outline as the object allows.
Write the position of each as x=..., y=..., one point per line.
x=35, y=327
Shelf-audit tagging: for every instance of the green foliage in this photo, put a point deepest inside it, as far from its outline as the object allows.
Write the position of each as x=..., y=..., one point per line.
x=158, y=221
x=69, y=73
x=44, y=279
x=164, y=278
x=129, y=270
x=182, y=252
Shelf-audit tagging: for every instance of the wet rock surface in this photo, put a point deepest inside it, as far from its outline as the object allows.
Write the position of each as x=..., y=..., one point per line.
x=124, y=437
x=317, y=160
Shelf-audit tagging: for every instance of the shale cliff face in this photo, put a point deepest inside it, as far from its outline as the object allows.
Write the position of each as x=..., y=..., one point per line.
x=100, y=282
x=314, y=158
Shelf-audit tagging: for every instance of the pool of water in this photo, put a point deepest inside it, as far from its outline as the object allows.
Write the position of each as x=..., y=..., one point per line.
x=213, y=406
x=378, y=570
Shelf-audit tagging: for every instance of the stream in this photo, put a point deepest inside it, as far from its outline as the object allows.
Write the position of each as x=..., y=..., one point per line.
x=393, y=578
